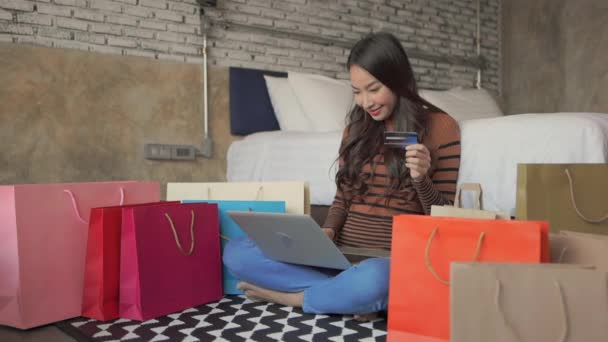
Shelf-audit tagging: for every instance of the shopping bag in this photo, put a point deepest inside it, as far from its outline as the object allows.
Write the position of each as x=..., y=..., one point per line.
x=580, y=248
x=230, y=230
x=170, y=259
x=43, y=241
x=402, y=336
x=423, y=248
x=295, y=194
x=569, y=196
x=523, y=302
x=557, y=246
x=457, y=209
x=102, y=263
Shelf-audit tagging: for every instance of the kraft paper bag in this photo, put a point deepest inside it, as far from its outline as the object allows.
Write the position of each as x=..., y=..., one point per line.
x=476, y=212
x=570, y=196
x=295, y=194
x=524, y=302
x=43, y=242
x=580, y=248
x=557, y=245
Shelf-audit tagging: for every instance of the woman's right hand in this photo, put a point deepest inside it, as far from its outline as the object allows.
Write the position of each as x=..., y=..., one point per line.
x=331, y=234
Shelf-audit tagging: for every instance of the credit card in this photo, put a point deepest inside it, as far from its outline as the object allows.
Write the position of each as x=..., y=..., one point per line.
x=394, y=139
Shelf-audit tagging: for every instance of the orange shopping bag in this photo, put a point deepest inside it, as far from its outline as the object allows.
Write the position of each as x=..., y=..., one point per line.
x=423, y=248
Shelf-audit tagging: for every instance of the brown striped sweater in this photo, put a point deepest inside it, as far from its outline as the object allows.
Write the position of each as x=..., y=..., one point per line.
x=367, y=221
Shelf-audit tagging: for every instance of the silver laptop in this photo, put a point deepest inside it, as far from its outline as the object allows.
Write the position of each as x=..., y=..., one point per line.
x=291, y=238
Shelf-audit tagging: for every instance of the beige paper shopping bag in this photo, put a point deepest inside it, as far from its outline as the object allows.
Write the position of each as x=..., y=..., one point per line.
x=295, y=194
x=580, y=248
x=569, y=196
x=557, y=245
x=475, y=212
x=526, y=302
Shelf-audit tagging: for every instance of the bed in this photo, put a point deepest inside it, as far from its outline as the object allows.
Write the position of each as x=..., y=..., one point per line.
x=492, y=146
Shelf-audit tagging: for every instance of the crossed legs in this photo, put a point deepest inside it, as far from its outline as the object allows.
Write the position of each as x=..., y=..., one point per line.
x=361, y=290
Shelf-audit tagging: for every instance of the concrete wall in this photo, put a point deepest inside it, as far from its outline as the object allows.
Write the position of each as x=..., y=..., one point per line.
x=68, y=115
x=555, y=56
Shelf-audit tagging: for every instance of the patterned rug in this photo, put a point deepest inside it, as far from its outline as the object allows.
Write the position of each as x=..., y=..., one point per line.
x=234, y=318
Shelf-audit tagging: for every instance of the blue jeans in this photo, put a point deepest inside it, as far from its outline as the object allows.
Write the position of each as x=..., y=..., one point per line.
x=361, y=289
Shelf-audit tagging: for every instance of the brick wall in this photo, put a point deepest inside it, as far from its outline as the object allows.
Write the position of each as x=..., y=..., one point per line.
x=151, y=28
x=171, y=30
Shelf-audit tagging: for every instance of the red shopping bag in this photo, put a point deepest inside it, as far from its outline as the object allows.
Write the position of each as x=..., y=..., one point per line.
x=170, y=259
x=401, y=336
x=423, y=248
x=102, y=266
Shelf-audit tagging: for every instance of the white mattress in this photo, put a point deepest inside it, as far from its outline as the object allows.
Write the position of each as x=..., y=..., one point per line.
x=491, y=150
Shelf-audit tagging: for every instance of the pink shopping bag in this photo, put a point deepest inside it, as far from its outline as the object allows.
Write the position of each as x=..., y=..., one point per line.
x=170, y=259
x=43, y=240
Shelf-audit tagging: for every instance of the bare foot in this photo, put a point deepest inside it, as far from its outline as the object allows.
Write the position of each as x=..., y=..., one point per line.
x=257, y=293
x=366, y=317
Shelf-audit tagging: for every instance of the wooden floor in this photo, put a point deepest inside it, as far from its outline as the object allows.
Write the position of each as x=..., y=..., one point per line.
x=47, y=333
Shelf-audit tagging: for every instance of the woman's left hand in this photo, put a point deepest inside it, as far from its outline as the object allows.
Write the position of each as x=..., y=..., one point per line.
x=418, y=160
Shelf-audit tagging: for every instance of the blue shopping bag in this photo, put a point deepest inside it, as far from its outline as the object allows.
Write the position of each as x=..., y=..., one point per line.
x=230, y=230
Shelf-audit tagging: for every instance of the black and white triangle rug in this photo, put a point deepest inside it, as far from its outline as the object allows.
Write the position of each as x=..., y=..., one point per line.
x=234, y=318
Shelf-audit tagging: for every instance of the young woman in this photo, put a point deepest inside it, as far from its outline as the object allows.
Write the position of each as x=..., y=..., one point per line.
x=374, y=184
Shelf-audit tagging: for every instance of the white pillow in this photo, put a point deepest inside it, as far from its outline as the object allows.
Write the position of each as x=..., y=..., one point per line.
x=286, y=106
x=325, y=101
x=464, y=104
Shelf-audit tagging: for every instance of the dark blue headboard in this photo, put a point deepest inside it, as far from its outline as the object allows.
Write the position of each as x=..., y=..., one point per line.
x=250, y=107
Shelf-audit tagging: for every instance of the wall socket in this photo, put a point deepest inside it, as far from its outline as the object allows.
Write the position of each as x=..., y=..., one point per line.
x=170, y=152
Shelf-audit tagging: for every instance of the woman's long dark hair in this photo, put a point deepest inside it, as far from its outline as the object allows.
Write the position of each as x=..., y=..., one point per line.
x=382, y=55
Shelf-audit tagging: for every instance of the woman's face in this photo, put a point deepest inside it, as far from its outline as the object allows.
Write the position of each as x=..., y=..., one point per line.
x=371, y=95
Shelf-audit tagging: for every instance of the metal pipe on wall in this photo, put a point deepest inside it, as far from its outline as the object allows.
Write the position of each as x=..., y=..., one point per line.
x=207, y=148
x=478, y=40
x=205, y=89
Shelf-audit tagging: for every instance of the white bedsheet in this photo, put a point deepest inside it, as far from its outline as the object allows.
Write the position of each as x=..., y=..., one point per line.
x=279, y=155
x=491, y=150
